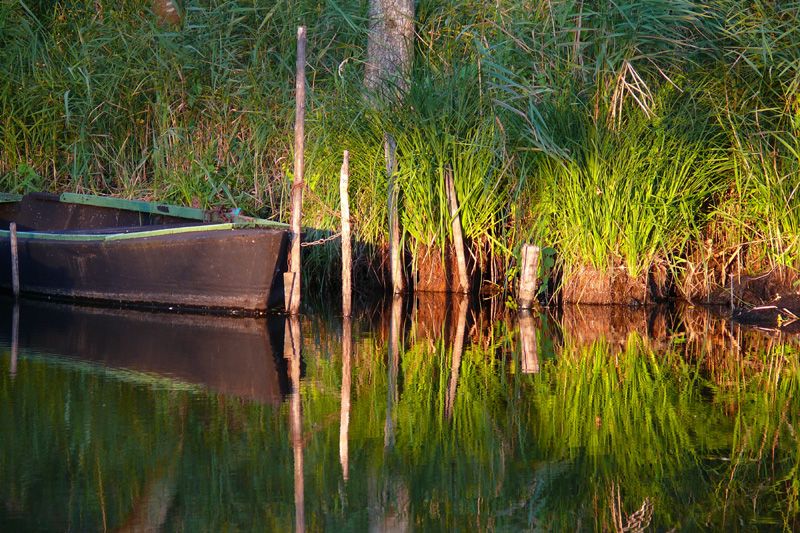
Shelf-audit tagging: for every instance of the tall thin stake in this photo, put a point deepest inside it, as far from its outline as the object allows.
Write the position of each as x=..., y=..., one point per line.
x=347, y=252
x=293, y=288
x=395, y=252
x=458, y=237
x=14, y=259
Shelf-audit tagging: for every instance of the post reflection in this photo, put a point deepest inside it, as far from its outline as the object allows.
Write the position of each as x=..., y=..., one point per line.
x=529, y=359
x=461, y=306
x=292, y=352
x=344, y=417
x=389, y=498
x=14, y=339
x=393, y=364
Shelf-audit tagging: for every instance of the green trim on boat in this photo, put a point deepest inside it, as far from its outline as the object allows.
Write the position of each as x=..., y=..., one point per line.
x=83, y=237
x=242, y=221
x=121, y=374
x=156, y=208
x=140, y=206
x=7, y=197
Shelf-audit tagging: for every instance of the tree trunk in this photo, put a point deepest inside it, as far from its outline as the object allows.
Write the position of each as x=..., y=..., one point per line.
x=390, y=44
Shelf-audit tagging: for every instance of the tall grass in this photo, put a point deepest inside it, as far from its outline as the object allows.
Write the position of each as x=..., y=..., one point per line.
x=439, y=126
x=766, y=209
x=447, y=132
x=631, y=197
x=604, y=68
x=99, y=97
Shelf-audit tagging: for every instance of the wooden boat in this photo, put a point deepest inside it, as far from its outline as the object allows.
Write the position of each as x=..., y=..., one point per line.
x=142, y=254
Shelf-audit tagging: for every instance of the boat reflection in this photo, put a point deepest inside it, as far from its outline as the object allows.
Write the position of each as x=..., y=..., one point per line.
x=228, y=355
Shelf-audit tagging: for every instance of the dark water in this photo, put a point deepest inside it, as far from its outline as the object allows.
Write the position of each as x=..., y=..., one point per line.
x=423, y=416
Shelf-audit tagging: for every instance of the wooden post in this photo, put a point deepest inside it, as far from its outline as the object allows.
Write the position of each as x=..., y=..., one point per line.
x=344, y=417
x=395, y=253
x=347, y=254
x=458, y=353
x=14, y=259
x=291, y=351
x=529, y=276
x=458, y=237
x=347, y=280
x=293, y=288
x=530, y=350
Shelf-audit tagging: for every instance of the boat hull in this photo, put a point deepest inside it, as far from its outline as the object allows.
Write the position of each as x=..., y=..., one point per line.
x=137, y=253
x=225, y=269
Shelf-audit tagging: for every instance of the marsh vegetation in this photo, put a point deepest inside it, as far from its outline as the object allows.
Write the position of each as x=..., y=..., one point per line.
x=653, y=144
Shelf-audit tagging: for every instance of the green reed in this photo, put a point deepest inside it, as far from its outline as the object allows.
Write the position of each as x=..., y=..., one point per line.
x=448, y=133
x=602, y=210
x=763, y=210
x=103, y=99
x=439, y=126
x=604, y=68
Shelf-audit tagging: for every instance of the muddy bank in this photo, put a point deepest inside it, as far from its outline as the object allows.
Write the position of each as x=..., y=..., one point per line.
x=588, y=285
x=717, y=281
x=734, y=279
x=437, y=271
x=740, y=289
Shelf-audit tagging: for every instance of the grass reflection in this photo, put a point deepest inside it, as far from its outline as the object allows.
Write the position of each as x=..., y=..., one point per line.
x=680, y=421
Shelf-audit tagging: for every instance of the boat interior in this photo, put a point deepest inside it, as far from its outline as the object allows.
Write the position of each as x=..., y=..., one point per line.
x=49, y=213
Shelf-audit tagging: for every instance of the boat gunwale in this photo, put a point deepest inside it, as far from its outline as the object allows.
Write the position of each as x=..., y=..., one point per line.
x=161, y=232
x=200, y=220
x=158, y=208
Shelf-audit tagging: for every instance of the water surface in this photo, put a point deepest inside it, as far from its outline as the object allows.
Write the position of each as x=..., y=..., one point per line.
x=425, y=414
